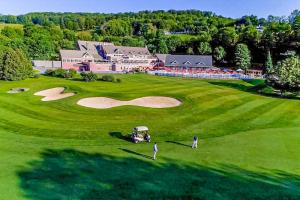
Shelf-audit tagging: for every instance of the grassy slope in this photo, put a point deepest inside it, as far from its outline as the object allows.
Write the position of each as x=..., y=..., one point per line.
x=57, y=150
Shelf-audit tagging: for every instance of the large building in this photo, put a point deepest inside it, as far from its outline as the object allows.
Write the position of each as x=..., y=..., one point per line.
x=184, y=63
x=105, y=57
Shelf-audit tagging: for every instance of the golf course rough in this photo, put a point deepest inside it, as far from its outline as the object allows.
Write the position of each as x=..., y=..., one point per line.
x=248, y=144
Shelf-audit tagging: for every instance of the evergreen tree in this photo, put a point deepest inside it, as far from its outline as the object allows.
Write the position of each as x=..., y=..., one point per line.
x=204, y=48
x=190, y=51
x=242, y=56
x=269, y=63
x=219, y=54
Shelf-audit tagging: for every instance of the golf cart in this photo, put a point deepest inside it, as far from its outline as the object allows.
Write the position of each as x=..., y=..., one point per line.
x=140, y=134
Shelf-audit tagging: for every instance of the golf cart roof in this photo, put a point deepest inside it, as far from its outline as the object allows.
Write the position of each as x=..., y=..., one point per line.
x=141, y=128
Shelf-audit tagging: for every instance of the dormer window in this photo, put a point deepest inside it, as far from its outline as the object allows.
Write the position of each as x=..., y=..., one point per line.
x=85, y=55
x=174, y=62
x=117, y=51
x=201, y=63
x=187, y=63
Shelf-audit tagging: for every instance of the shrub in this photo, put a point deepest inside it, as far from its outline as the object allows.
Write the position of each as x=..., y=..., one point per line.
x=49, y=72
x=36, y=75
x=89, y=77
x=61, y=73
x=72, y=73
x=108, y=78
x=119, y=80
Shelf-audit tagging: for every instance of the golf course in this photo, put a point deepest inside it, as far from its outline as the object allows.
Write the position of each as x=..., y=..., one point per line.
x=248, y=143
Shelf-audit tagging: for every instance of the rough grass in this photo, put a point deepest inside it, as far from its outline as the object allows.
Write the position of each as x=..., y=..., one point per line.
x=249, y=144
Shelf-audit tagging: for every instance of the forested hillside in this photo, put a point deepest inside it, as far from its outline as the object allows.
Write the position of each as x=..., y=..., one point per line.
x=178, y=32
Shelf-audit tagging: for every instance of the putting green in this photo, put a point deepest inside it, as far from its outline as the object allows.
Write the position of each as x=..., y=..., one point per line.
x=249, y=144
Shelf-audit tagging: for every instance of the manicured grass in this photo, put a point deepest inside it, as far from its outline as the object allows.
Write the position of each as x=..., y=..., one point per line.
x=249, y=144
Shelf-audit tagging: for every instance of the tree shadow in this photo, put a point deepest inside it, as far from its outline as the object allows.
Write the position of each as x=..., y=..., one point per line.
x=72, y=174
x=237, y=86
x=135, y=153
x=178, y=143
x=253, y=89
x=119, y=135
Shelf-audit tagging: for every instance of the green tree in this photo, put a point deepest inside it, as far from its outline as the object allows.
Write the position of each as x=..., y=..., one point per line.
x=219, y=54
x=269, y=63
x=250, y=35
x=173, y=43
x=158, y=44
x=204, y=48
x=227, y=36
x=242, y=56
x=162, y=46
x=286, y=75
x=117, y=27
x=148, y=30
x=14, y=65
x=190, y=51
x=84, y=35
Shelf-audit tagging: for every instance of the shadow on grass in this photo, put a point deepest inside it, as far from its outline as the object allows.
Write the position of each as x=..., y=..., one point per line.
x=72, y=174
x=120, y=136
x=136, y=153
x=254, y=88
x=178, y=143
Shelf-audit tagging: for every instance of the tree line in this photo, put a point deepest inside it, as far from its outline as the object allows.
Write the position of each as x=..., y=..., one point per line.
x=246, y=42
x=205, y=33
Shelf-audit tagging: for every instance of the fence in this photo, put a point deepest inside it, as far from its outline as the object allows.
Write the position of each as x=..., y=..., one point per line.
x=204, y=75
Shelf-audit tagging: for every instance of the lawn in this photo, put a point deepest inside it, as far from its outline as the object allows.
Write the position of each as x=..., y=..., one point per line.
x=249, y=144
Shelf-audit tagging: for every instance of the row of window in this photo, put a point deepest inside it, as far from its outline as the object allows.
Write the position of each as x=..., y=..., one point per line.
x=78, y=61
x=187, y=63
x=131, y=68
x=134, y=61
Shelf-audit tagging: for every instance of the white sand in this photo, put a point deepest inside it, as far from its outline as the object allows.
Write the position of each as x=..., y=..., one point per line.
x=151, y=102
x=54, y=94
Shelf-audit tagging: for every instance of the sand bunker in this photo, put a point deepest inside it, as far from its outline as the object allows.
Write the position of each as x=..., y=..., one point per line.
x=151, y=102
x=54, y=94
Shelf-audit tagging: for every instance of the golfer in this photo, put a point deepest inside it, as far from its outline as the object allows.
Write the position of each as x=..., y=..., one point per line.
x=155, y=150
x=195, y=142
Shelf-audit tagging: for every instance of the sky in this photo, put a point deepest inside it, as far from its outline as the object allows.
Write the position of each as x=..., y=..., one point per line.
x=228, y=8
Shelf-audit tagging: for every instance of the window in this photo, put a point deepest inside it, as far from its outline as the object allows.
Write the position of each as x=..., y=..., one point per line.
x=201, y=63
x=174, y=62
x=187, y=63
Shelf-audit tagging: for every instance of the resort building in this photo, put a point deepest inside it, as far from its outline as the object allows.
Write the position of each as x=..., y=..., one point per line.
x=106, y=57
x=184, y=63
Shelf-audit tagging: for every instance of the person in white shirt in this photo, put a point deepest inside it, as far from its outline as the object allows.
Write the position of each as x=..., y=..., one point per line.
x=195, y=142
x=155, y=150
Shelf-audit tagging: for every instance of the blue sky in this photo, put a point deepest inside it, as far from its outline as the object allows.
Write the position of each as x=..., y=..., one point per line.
x=231, y=8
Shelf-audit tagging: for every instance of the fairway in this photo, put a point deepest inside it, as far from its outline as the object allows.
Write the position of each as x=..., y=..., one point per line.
x=248, y=143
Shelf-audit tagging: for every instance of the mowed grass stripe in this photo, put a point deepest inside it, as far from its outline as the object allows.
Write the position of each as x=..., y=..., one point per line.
x=243, y=148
